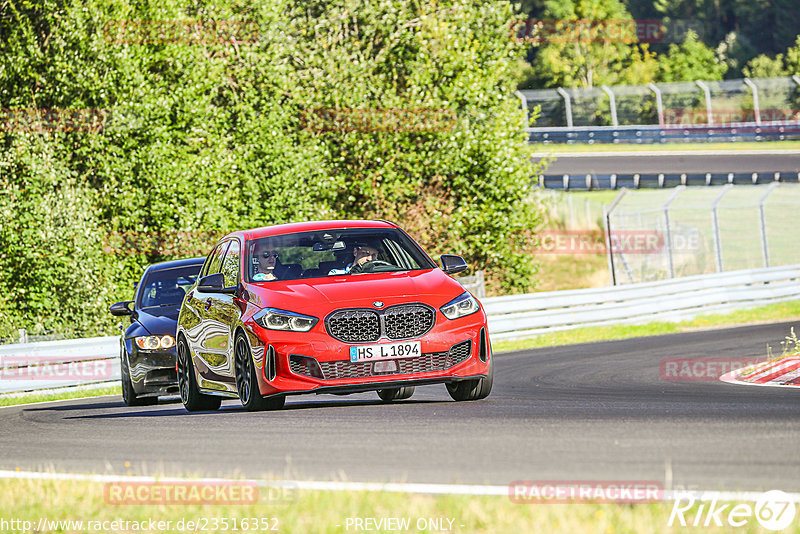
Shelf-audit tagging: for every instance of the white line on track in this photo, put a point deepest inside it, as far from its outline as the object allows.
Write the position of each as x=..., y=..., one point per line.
x=642, y=153
x=393, y=487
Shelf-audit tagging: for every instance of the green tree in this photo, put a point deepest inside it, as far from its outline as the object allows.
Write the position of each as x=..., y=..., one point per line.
x=691, y=60
x=764, y=66
x=592, y=42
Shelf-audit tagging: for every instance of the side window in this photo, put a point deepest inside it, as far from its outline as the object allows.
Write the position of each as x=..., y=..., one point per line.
x=215, y=263
x=230, y=265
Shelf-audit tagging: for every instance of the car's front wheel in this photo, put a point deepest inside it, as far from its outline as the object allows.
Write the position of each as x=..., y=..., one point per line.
x=393, y=394
x=192, y=399
x=467, y=390
x=247, y=381
x=129, y=395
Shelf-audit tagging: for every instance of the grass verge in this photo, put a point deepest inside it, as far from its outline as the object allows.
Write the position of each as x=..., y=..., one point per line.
x=680, y=147
x=781, y=311
x=68, y=393
x=330, y=511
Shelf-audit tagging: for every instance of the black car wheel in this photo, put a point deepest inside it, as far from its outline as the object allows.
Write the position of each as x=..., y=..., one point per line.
x=129, y=395
x=467, y=390
x=247, y=381
x=192, y=399
x=393, y=394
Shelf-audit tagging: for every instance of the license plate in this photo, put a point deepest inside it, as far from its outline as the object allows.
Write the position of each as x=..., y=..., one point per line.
x=385, y=351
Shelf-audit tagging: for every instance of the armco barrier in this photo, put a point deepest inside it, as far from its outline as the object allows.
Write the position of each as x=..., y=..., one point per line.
x=649, y=134
x=512, y=316
x=53, y=364
x=516, y=316
x=590, y=182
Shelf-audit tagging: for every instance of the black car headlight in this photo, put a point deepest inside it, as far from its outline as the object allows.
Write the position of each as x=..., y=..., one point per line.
x=274, y=319
x=460, y=306
x=155, y=342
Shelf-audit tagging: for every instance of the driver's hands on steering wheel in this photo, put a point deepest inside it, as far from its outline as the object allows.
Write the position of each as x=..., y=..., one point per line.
x=367, y=266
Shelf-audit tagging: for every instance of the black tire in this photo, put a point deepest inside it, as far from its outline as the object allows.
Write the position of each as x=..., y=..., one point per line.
x=467, y=390
x=393, y=394
x=247, y=381
x=129, y=395
x=192, y=399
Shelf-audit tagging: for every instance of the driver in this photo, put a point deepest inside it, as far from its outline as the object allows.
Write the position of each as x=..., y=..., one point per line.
x=362, y=253
x=267, y=263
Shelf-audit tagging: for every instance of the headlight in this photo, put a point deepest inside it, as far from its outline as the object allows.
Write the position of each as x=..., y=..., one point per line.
x=460, y=306
x=154, y=342
x=273, y=319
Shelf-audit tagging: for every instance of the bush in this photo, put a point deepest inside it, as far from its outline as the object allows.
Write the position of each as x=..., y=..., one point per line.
x=337, y=109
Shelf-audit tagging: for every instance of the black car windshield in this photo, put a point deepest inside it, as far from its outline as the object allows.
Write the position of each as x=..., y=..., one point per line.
x=166, y=288
x=333, y=253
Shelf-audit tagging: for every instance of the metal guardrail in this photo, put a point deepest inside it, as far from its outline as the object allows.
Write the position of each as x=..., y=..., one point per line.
x=512, y=316
x=590, y=182
x=654, y=134
x=516, y=316
x=54, y=364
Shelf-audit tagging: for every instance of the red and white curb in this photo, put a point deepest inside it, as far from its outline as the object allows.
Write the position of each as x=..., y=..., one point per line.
x=784, y=372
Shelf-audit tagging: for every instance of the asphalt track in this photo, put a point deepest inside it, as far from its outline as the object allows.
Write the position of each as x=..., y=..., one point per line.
x=632, y=162
x=597, y=411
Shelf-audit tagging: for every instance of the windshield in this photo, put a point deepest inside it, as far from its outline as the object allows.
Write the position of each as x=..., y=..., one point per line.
x=340, y=252
x=167, y=287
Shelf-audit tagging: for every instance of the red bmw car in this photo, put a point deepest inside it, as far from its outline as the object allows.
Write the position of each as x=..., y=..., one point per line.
x=328, y=307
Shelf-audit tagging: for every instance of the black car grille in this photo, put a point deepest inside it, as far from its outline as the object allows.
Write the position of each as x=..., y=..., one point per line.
x=403, y=321
x=354, y=326
x=407, y=320
x=432, y=361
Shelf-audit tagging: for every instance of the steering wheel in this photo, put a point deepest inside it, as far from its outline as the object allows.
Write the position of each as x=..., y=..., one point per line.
x=369, y=266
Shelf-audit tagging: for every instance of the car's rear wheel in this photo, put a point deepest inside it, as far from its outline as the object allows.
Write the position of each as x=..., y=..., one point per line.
x=247, y=381
x=393, y=394
x=467, y=390
x=192, y=399
x=129, y=395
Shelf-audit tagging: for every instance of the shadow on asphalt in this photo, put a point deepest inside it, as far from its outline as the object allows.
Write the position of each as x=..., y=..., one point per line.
x=155, y=411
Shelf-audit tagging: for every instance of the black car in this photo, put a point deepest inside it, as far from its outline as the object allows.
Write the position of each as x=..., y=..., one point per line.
x=147, y=346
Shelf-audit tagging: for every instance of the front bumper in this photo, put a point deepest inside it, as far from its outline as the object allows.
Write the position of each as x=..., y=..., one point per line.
x=152, y=371
x=443, y=360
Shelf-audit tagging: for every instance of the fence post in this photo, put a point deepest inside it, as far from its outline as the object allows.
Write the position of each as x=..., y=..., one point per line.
x=715, y=225
x=659, y=103
x=707, y=92
x=607, y=232
x=527, y=123
x=23, y=335
x=567, y=105
x=763, y=220
x=756, y=110
x=668, y=233
x=612, y=102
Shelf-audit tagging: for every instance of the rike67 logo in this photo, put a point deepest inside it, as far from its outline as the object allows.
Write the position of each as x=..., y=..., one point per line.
x=774, y=510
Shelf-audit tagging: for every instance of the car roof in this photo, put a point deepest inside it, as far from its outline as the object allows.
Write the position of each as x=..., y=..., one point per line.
x=310, y=226
x=175, y=263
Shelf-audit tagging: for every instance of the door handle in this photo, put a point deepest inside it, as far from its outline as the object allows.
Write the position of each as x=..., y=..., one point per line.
x=208, y=303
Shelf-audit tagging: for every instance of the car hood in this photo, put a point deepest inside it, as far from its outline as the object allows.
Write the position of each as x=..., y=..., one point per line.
x=166, y=322
x=431, y=286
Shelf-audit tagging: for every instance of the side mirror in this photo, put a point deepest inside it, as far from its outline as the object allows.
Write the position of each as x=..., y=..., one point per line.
x=453, y=264
x=215, y=283
x=120, y=309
